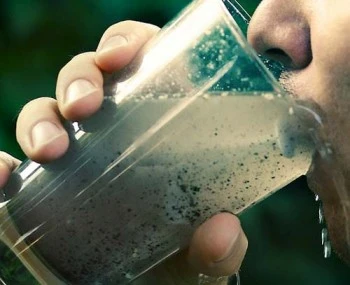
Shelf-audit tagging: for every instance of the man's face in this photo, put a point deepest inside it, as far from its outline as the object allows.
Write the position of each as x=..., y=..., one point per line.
x=312, y=37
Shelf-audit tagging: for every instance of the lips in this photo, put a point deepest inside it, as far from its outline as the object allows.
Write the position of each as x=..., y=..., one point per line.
x=301, y=86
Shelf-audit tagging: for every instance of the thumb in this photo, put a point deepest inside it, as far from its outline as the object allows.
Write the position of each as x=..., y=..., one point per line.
x=217, y=249
x=218, y=246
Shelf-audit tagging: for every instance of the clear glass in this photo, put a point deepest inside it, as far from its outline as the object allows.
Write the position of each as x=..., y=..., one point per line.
x=194, y=126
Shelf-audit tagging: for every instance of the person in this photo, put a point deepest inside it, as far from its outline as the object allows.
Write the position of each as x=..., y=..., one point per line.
x=312, y=39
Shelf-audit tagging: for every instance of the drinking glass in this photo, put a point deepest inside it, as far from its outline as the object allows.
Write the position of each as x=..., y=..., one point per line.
x=195, y=125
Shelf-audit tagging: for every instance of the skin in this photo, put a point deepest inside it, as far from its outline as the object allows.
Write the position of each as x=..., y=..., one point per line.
x=312, y=38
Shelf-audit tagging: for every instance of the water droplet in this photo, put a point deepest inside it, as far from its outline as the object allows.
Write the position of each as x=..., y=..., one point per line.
x=238, y=278
x=135, y=253
x=163, y=97
x=206, y=96
x=269, y=96
x=320, y=215
x=234, y=278
x=128, y=276
x=207, y=280
x=324, y=236
x=327, y=249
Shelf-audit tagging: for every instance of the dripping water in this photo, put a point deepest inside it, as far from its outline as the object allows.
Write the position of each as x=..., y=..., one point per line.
x=327, y=249
x=206, y=280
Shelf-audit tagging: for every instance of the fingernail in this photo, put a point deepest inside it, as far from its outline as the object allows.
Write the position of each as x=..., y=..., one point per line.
x=112, y=44
x=79, y=89
x=236, y=250
x=44, y=132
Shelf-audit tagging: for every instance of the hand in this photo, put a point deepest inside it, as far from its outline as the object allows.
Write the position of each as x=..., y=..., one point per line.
x=218, y=246
x=7, y=165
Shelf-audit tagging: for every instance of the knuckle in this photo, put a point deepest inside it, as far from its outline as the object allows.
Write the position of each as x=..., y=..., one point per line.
x=85, y=57
x=119, y=27
x=130, y=29
x=82, y=57
x=42, y=102
x=129, y=23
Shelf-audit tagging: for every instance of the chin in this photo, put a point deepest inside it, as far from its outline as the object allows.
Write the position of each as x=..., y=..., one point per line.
x=321, y=182
x=337, y=227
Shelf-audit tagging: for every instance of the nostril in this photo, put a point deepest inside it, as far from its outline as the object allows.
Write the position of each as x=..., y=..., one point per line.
x=279, y=55
x=276, y=51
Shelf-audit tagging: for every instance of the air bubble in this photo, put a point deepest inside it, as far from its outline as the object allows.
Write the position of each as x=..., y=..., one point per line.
x=211, y=65
x=206, y=96
x=163, y=97
x=269, y=96
x=128, y=276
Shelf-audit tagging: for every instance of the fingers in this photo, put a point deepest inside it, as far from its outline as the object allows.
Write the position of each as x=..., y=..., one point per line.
x=79, y=87
x=218, y=246
x=40, y=132
x=79, y=91
x=121, y=42
x=7, y=165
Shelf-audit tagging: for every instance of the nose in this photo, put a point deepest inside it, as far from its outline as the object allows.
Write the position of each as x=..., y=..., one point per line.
x=279, y=30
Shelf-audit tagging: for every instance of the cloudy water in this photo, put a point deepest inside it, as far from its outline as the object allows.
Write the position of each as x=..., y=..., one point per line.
x=141, y=177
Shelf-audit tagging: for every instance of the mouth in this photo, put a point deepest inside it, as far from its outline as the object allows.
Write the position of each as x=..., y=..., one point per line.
x=298, y=84
x=329, y=175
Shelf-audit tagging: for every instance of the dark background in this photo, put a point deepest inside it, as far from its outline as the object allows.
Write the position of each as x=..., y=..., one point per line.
x=38, y=37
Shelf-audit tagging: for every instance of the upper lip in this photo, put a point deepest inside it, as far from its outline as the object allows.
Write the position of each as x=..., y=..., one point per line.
x=297, y=82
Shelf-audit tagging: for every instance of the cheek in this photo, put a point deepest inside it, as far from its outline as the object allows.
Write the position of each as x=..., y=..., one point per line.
x=332, y=95
x=330, y=38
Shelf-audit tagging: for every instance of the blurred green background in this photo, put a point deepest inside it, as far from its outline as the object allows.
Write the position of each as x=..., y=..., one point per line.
x=37, y=37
